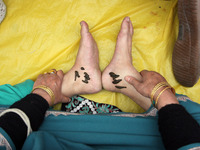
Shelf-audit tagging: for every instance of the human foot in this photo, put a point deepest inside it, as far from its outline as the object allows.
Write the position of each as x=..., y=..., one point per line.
x=85, y=75
x=121, y=66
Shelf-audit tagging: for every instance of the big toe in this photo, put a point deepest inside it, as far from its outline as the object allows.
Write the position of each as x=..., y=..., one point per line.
x=84, y=28
x=125, y=26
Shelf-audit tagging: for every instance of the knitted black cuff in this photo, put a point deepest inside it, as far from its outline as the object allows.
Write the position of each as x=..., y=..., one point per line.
x=177, y=127
x=34, y=106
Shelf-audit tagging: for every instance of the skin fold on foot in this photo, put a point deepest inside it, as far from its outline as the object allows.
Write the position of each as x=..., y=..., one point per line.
x=121, y=66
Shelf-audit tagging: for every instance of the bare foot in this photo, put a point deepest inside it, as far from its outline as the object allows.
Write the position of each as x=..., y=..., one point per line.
x=121, y=66
x=85, y=75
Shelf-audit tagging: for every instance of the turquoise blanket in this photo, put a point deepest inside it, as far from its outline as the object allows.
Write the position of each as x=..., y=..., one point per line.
x=10, y=94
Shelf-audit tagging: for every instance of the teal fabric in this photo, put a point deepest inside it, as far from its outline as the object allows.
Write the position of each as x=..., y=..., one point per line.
x=106, y=131
x=10, y=94
x=7, y=137
x=196, y=145
x=99, y=132
x=103, y=131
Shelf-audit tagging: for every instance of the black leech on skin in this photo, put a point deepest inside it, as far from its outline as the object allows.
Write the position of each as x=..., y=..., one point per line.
x=76, y=75
x=87, y=77
x=113, y=75
x=117, y=81
x=82, y=68
x=120, y=87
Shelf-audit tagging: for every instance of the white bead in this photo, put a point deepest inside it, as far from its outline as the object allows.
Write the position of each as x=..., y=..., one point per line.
x=94, y=112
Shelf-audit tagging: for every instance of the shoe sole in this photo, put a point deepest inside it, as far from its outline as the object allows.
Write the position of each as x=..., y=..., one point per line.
x=186, y=54
x=2, y=10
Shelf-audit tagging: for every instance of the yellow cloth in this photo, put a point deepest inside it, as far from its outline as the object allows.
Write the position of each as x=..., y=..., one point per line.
x=37, y=36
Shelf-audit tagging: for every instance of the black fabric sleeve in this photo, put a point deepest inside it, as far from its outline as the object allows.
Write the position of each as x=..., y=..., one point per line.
x=34, y=106
x=177, y=127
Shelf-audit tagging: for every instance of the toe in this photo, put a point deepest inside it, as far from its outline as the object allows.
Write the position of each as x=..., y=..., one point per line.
x=84, y=28
x=125, y=25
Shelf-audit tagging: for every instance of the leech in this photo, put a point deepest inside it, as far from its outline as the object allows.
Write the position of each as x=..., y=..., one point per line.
x=85, y=81
x=113, y=75
x=120, y=87
x=82, y=68
x=117, y=81
x=76, y=75
x=87, y=77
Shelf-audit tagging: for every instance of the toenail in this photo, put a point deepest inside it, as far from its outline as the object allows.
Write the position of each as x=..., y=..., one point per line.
x=128, y=19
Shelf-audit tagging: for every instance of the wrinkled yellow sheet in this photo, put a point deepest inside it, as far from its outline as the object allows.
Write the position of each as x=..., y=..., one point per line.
x=37, y=36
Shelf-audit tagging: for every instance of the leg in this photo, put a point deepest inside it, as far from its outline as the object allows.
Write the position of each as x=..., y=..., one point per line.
x=85, y=75
x=121, y=66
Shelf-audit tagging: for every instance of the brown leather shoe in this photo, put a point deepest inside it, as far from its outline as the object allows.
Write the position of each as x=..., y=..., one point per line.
x=186, y=54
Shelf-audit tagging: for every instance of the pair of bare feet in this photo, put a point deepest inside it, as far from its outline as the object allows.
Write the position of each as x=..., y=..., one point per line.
x=85, y=76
